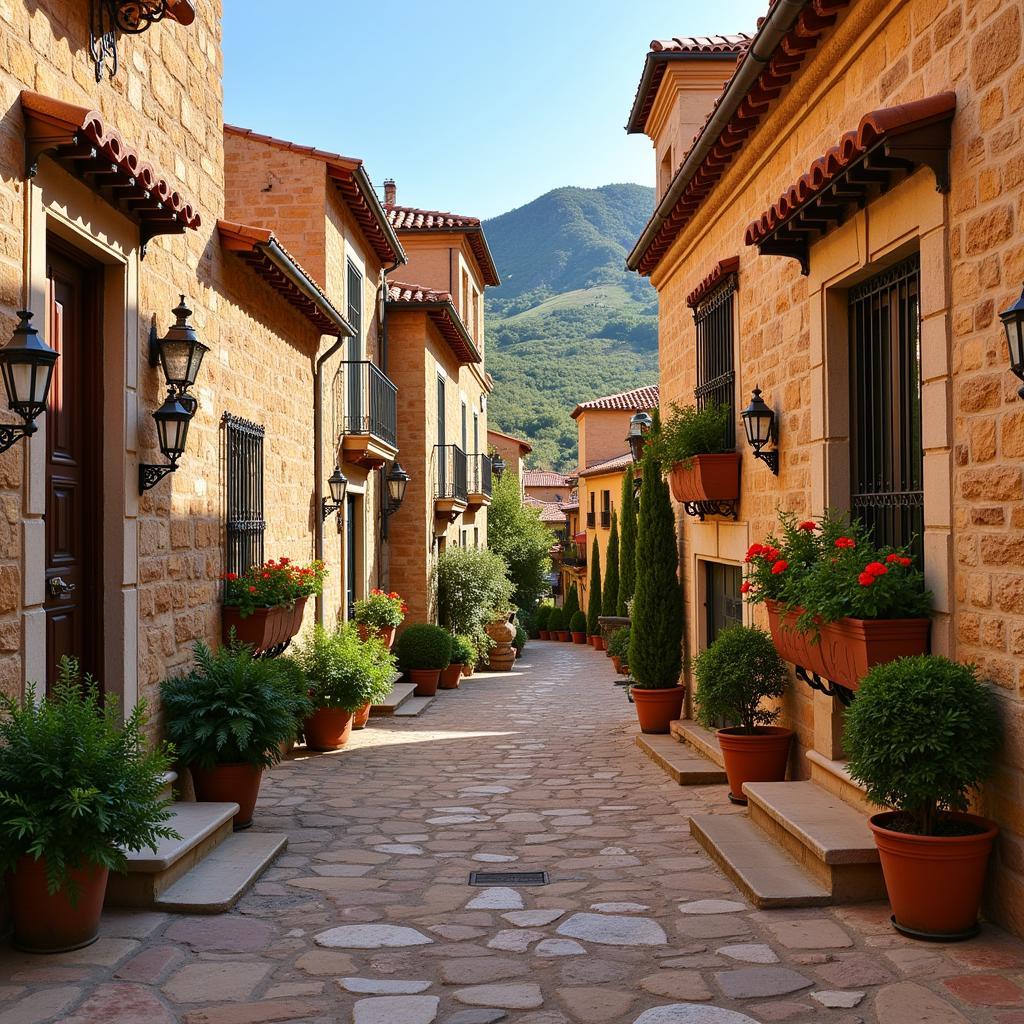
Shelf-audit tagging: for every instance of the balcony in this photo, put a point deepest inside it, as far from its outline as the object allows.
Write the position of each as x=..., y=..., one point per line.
x=591, y=521
x=606, y=519
x=479, y=481
x=574, y=556
x=366, y=415
x=451, y=491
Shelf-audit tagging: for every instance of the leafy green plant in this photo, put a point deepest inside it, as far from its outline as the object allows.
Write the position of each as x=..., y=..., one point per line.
x=618, y=644
x=297, y=685
x=735, y=673
x=344, y=671
x=381, y=610
x=424, y=646
x=572, y=603
x=578, y=623
x=515, y=532
x=690, y=431
x=230, y=708
x=520, y=640
x=557, y=622
x=610, y=594
x=469, y=584
x=543, y=617
x=463, y=651
x=594, y=600
x=76, y=786
x=627, y=546
x=921, y=737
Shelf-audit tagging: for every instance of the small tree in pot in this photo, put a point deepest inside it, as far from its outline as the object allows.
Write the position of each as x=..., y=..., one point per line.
x=618, y=648
x=557, y=624
x=627, y=546
x=735, y=675
x=423, y=651
x=594, y=600
x=542, y=621
x=921, y=736
x=578, y=628
x=610, y=593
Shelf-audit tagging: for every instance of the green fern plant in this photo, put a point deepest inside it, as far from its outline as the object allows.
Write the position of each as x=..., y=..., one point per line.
x=344, y=671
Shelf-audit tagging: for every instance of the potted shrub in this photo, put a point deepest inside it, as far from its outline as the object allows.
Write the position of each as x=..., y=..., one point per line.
x=610, y=593
x=297, y=685
x=519, y=643
x=655, y=644
x=227, y=719
x=542, y=618
x=77, y=789
x=423, y=650
x=557, y=626
x=735, y=675
x=837, y=605
x=694, y=443
x=594, y=600
x=578, y=628
x=618, y=648
x=921, y=737
x=346, y=675
x=463, y=655
x=263, y=607
x=380, y=615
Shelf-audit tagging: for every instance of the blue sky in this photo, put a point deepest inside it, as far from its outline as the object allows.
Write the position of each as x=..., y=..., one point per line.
x=473, y=107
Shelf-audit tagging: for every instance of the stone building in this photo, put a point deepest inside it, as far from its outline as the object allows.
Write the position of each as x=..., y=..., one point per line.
x=841, y=232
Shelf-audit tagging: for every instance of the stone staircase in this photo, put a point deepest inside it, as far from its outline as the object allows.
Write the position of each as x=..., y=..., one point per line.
x=401, y=701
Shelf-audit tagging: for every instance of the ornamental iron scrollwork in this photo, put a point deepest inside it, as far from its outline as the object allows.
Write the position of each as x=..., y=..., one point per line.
x=107, y=18
x=826, y=686
x=728, y=507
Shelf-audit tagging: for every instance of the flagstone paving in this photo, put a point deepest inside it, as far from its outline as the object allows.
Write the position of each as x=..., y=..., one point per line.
x=368, y=918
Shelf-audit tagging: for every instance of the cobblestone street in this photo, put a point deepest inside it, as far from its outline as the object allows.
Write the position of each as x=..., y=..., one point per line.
x=368, y=917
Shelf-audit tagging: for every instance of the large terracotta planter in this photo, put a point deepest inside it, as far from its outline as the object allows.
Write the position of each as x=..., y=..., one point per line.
x=579, y=638
x=451, y=675
x=545, y=634
x=934, y=882
x=847, y=648
x=425, y=680
x=762, y=757
x=617, y=662
x=468, y=670
x=657, y=709
x=503, y=654
x=51, y=924
x=564, y=636
x=361, y=716
x=599, y=642
x=328, y=728
x=230, y=783
x=707, y=478
x=266, y=628
x=385, y=633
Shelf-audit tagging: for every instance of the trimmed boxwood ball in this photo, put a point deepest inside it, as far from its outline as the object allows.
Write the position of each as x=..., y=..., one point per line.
x=556, y=621
x=463, y=651
x=578, y=624
x=424, y=646
x=734, y=674
x=921, y=736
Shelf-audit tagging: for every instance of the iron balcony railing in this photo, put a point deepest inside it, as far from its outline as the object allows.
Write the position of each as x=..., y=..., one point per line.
x=480, y=475
x=574, y=554
x=591, y=520
x=606, y=518
x=366, y=402
x=451, y=479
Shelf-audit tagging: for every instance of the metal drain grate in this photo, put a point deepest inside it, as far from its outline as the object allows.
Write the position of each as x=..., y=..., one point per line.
x=508, y=878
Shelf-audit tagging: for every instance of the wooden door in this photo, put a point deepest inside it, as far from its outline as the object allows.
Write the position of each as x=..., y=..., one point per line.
x=73, y=422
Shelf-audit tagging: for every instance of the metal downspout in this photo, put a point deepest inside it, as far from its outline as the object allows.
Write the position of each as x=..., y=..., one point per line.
x=318, y=462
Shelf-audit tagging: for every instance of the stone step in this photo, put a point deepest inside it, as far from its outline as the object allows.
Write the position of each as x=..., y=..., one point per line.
x=400, y=693
x=202, y=826
x=695, y=735
x=824, y=834
x=411, y=707
x=218, y=883
x=167, y=789
x=680, y=762
x=766, y=875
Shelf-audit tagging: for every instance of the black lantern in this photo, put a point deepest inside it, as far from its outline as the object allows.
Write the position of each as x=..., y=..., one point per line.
x=337, y=483
x=759, y=424
x=397, y=481
x=172, y=422
x=498, y=467
x=1013, y=321
x=179, y=352
x=639, y=427
x=26, y=362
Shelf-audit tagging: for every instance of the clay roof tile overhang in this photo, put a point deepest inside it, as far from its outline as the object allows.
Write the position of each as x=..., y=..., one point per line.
x=524, y=446
x=608, y=465
x=639, y=399
x=181, y=11
x=786, y=36
x=262, y=251
x=667, y=51
x=81, y=142
x=440, y=311
x=722, y=271
x=411, y=219
x=353, y=183
x=887, y=145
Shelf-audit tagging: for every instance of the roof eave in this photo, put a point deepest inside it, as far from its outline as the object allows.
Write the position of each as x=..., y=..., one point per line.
x=637, y=121
x=379, y=215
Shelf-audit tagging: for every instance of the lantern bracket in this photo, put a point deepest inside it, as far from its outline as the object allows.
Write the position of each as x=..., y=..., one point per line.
x=11, y=434
x=150, y=475
x=770, y=459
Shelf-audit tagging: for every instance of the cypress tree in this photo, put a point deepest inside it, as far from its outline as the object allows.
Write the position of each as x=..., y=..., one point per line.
x=627, y=548
x=572, y=602
x=594, y=602
x=610, y=597
x=655, y=652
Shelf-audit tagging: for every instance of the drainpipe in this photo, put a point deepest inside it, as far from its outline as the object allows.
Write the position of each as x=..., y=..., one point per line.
x=778, y=21
x=318, y=462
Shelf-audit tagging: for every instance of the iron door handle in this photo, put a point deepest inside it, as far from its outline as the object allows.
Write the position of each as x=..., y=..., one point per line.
x=58, y=588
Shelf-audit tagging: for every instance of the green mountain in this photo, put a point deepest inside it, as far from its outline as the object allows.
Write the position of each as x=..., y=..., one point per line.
x=569, y=322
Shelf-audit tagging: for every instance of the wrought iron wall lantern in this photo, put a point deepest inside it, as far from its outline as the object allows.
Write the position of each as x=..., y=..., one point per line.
x=180, y=353
x=108, y=18
x=396, y=483
x=337, y=484
x=1013, y=322
x=759, y=424
x=26, y=363
x=639, y=427
x=498, y=467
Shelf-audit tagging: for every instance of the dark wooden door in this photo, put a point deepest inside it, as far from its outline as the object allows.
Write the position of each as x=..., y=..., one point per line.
x=73, y=422
x=351, y=554
x=724, y=603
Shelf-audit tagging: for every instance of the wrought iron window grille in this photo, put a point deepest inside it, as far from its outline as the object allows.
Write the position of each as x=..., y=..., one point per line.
x=245, y=525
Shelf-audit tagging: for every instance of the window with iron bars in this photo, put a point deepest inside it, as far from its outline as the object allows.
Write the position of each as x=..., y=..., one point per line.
x=716, y=375
x=243, y=475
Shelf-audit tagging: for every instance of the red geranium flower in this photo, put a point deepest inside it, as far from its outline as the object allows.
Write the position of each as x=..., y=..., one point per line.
x=875, y=569
x=252, y=590
x=865, y=579
x=745, y=587
x=753, y=551
x=780, y=566
x=808, y=525
x=845, y=542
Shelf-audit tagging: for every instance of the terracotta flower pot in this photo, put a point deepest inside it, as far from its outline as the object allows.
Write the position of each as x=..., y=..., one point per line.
x=600, y=644
x=230, y=783
x=361, y=716
x=545, y=634
x=707, y=478
x=564, y=636
x=425, y=680
x=617, y=662
x=328, y=729
x=385, y=633
x=762, y=757
x=451, y=675
x=657, y=709
x=51, y=924
x=468, y=670
x=934, y=882
x=579, y=638
x=265, y=627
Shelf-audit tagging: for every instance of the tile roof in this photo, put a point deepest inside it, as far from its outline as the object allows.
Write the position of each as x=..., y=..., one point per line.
x=350, y=177
x=524, y=446
x=693, y=182
x=552, y=513
x=410, y=218
x=544, y=478
x=721, y=270
x=663, y=52
x=608, y=466
x=442, y=313
x=644, y=398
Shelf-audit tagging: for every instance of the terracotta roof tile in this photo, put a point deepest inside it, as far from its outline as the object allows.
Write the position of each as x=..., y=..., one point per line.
x=543, y=478
x=638, y=399
x=721, y=270
x=525, y=446
x=702, y=44
x=608, y=465
x=441, y=311
x=410, y=218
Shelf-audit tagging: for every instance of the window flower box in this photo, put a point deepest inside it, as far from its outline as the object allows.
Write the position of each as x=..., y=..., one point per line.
x=707, y=478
